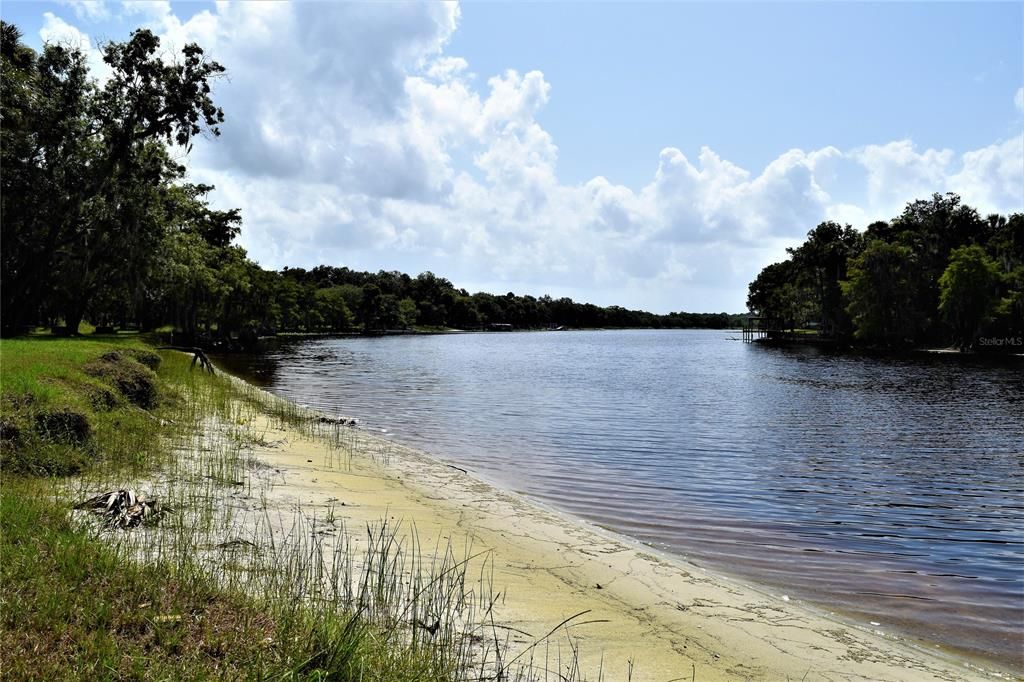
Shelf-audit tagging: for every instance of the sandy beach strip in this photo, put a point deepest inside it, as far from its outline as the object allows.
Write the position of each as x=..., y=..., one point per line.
x=649, y=615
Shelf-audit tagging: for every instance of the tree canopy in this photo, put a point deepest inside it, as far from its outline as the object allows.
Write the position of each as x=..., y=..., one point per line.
x=968, y=292
x=936, y=274
x=86, y=167
x=101, y=223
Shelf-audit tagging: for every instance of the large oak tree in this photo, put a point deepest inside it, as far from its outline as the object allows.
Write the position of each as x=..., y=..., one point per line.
x=84, y=166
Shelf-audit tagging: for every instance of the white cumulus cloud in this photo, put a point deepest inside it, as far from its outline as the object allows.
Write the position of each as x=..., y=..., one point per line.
x=354, y=139
x=992, y=177
x=58, y=32
x=88, y=10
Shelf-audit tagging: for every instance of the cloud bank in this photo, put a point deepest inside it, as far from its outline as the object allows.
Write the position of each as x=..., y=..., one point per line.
x=354, y=139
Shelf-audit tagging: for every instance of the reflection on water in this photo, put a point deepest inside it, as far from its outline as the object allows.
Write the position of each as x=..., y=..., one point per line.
x=892, y=489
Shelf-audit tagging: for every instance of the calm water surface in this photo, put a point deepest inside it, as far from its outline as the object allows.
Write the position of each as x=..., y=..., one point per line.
x=888, y=489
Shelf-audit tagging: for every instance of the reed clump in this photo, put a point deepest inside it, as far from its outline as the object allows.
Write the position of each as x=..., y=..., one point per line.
x=224, y=581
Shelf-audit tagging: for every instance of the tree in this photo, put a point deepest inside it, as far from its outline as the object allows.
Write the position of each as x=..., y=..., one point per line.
x=390, y=313
x=969, y=293
x=184, y=283
x=931, y=229
x=121, y=231
x=45, y=155
x=407, y=312
x=821, y=264
x=464, y=313
x=370, y=307
x=82, y=164
x=334, y=309
x=882, y=295
x=781, y=296
x=190, y=208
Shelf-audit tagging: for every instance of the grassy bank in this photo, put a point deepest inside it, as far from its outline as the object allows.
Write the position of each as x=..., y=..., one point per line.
x=219, y=586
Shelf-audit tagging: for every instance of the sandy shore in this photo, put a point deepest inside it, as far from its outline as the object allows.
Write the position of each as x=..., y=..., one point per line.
x=673, y=620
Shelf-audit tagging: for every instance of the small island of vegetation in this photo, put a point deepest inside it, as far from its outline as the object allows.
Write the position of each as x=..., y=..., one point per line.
x=937, y=275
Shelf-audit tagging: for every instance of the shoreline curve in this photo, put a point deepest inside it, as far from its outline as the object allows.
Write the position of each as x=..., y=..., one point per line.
x=648, y=613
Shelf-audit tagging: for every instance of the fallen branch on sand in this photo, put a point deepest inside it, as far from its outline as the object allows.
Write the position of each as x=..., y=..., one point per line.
x=341, y=421
x=198, y=355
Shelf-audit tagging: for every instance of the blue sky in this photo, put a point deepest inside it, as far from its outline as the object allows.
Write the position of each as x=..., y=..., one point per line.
x=752, y=80
x=653, y=155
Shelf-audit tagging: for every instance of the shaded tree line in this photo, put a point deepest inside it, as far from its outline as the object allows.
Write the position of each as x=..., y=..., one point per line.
x=395, y=300
x=937, y=274
x=91, y=193
x=100, y=222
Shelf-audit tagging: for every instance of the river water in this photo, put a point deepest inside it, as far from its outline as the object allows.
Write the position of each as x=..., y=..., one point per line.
x=890, y=490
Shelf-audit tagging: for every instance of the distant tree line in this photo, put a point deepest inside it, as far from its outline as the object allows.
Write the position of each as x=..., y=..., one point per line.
x=937, y=274
x=99, y=222
x=394, y=300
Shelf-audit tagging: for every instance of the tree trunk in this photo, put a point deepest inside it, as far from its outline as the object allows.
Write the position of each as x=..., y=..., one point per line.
x=73, y=318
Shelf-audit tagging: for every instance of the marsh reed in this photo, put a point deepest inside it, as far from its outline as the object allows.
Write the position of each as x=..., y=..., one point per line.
x=366, y=603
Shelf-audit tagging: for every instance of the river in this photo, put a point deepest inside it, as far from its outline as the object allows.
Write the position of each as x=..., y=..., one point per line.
x=890, y=490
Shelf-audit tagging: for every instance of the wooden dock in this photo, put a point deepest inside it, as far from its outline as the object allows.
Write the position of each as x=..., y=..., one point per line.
x=754, y=329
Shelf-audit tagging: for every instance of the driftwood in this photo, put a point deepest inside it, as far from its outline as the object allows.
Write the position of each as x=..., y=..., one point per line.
x=124, y=508
x=341, y=421
x=197, y=356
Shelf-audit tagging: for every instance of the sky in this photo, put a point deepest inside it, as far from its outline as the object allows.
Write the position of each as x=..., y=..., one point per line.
x=649, y=155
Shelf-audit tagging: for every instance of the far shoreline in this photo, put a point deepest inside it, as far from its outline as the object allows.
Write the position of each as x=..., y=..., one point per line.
x=995, y=352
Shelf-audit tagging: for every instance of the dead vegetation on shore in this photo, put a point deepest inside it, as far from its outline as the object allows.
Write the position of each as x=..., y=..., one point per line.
x=124, y=508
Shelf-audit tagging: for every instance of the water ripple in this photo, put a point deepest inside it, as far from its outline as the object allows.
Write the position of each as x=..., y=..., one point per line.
x=890, y=488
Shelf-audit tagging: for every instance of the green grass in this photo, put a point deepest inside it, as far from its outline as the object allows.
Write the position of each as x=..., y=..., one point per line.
x=42, y=365
x=175, y=601
x=75, y=608
x=47, y=382
x=80, y=605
